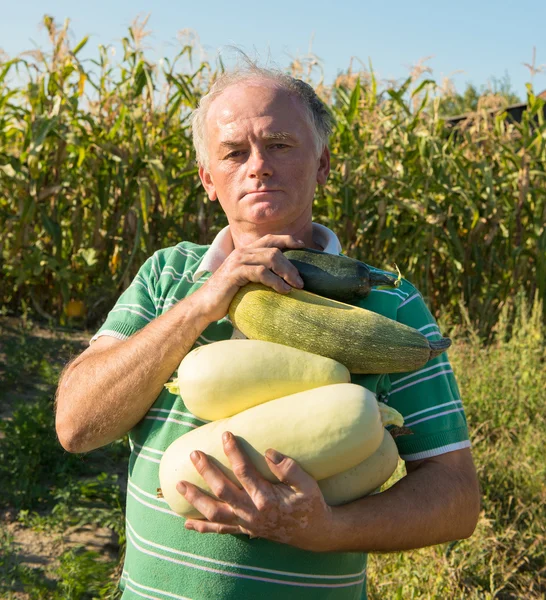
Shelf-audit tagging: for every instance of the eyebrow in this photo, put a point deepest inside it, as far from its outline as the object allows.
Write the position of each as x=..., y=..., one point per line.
x=278, y=136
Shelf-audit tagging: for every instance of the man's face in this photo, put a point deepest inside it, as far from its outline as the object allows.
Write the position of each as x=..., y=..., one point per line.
x=263, y=166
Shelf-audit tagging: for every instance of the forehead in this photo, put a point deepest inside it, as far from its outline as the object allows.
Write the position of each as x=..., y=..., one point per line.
x=256, y=103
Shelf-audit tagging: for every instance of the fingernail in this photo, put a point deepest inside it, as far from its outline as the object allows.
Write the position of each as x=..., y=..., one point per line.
x=286, y=286
x=299, y=281
x=226, y=436
x=189, y=526
x=194, y=456
x=181, y=487
x=274, y=456
x=300, y=242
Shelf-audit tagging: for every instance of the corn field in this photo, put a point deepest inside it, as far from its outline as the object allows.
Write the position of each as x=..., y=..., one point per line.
x=97, y=171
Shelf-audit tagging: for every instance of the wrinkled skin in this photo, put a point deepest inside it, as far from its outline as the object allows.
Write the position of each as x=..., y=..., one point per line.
x=291, y=512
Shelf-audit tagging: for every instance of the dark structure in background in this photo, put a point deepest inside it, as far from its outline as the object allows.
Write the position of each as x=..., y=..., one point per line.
x=513, y=112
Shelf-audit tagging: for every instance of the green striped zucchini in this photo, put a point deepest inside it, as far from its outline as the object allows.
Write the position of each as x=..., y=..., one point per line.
x=363, y=341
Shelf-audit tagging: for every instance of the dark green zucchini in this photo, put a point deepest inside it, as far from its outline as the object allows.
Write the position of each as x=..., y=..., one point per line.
x=337, y=277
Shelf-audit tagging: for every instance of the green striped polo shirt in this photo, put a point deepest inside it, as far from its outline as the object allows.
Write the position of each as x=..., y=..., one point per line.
x=165, y=561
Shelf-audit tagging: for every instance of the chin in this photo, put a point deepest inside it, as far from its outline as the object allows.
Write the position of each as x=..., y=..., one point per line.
x=268, y=213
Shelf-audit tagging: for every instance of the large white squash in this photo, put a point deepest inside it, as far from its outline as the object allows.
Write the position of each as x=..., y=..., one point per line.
x=367, y=476
x=224, y=378
x=326, y=430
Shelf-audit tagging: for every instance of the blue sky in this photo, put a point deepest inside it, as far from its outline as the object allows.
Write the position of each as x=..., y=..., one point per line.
x=483, y=39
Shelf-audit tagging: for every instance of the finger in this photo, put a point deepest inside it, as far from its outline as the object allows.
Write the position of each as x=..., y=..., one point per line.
x=247, y=474
x=277, y=264
x=285, y=269
x=265, y=276
x=277, y=241
x=207, y=527
x=261, y=274
x=212, y=509
x=218, y=482
x=289, y=472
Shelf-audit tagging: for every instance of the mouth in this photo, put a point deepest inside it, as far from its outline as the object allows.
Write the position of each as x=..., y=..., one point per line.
x=259, y=193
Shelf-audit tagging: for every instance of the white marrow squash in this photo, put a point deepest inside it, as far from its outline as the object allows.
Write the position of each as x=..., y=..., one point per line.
x=326, y=430
x=225, y=378
x=364, y=478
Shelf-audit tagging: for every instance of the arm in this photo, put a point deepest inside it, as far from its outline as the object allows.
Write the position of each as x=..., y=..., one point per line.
x=109, y=388
x=437, y=501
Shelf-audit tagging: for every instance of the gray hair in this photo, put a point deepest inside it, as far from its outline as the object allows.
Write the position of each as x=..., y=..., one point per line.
x=318, y=116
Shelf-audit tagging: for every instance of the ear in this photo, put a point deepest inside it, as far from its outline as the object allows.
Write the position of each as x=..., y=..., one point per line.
x=208, y=184
x=324, y=166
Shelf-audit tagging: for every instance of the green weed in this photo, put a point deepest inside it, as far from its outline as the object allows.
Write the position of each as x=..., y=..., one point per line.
x=502, y=387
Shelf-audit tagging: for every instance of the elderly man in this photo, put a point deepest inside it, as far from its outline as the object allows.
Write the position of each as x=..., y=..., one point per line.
x=261, y=140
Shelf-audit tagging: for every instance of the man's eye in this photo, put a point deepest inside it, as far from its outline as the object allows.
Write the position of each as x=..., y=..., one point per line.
x=280, y=145
x=235, y=154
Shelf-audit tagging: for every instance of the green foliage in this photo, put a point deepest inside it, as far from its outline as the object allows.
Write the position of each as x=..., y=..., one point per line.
x=98, y=171
x=80, y=575
x=95, y=177
x=502, y=387
x=472, y=99
x=50, y=490
x=462, y=213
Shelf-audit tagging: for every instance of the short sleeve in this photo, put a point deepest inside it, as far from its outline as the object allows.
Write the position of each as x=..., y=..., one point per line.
x=428, y=398
x=135, y=308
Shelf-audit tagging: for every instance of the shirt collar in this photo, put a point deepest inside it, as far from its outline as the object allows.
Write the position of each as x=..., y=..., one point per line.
x=222, y=246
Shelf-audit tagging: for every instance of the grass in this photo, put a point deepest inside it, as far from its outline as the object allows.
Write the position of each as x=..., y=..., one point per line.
x=502, y=387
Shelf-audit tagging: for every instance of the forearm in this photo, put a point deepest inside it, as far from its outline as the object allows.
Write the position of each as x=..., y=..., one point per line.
x=106, y=391
x=431, y=505
x=102, y=396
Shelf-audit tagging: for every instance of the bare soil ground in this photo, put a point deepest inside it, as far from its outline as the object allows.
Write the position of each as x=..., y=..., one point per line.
x=26, y=348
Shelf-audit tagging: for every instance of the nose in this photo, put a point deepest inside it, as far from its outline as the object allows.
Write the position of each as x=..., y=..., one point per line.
x=259, y=165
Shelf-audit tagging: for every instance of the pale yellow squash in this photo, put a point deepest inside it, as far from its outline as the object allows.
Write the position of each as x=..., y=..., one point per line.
x=326, y=430
x=225, y=378
x=364, y=478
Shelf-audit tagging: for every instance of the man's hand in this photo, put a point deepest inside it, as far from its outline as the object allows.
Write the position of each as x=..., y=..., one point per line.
x=292, y=512
x=438, y=501
x=260, y=262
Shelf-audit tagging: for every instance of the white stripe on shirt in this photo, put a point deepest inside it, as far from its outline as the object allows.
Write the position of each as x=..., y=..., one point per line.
x=421, y=329
x=434, y=416
x=398, y=294
x=169, y=420
x=156, y=508
x=437, y=406
x=416, y=295
x=408, y=385
x=436, y=451
x=416, y=373
x=125, y=575
x=134, y=312
x=177, y=552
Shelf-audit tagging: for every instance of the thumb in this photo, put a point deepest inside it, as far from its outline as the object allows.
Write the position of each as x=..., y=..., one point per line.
x=289, y=472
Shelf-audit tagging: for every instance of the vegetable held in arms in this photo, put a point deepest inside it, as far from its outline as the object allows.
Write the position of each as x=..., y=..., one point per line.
x=363, y=341
x=338, y=277
x=326, y=430
x=363, y=478
x=224, y=378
